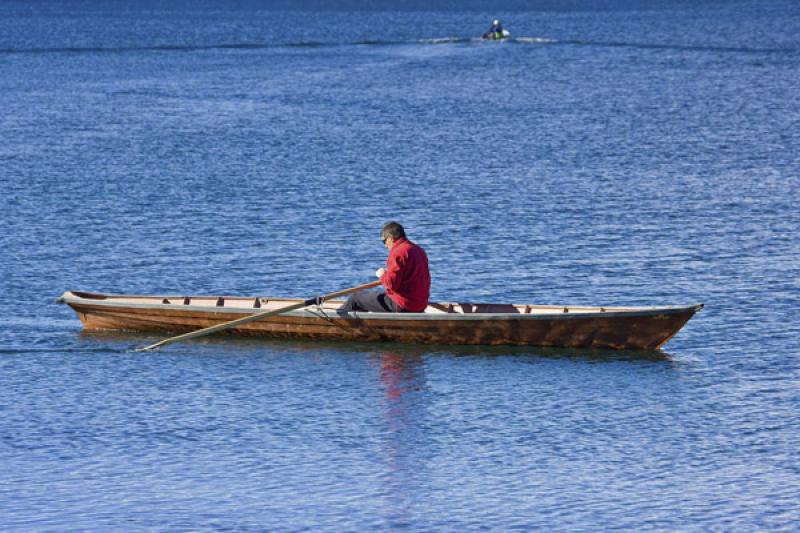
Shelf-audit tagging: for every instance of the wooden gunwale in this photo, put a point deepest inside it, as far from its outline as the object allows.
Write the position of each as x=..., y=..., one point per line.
x=554, y=312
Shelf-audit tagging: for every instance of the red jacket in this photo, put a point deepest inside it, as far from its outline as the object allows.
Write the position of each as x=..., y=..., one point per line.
x=407, y=280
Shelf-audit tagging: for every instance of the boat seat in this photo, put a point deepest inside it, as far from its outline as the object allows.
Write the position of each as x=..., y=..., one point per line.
x=444, y=308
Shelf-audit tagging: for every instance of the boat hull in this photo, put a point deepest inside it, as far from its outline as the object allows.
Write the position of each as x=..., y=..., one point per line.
x=643, y=329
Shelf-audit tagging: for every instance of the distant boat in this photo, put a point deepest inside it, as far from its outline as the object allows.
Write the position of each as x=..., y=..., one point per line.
x=635, y=328
x=496, y=35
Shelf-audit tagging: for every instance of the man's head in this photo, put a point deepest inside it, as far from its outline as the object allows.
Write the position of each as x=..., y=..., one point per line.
x=495, y=22
x=391, y=233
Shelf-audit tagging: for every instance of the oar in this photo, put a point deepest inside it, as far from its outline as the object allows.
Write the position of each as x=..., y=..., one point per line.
x=258, y=316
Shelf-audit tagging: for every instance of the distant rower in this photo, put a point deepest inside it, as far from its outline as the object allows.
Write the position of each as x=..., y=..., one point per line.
x=496, y=32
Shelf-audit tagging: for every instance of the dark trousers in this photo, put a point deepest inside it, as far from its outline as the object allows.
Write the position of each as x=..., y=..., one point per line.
x=373, y=301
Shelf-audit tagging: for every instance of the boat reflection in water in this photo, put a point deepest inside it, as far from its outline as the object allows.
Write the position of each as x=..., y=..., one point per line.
x=405, y=445
x=416, y=417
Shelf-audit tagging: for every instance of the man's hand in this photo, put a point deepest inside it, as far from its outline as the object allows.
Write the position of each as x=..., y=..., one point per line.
x=380, y=272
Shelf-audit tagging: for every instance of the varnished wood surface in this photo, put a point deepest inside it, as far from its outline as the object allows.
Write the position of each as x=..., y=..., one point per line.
x=618, y=330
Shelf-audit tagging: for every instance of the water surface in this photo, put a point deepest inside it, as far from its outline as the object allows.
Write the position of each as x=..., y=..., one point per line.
x=615, y=155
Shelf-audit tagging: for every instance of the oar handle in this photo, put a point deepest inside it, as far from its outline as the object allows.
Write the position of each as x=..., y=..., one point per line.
x=264, y=314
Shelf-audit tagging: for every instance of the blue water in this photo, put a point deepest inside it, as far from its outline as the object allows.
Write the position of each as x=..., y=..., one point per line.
x=611, y=153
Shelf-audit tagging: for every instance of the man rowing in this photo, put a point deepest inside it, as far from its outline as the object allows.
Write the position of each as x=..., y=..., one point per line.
x=406, y=278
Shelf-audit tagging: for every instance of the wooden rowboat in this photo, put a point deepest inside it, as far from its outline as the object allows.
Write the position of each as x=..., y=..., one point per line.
x=639, y=328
